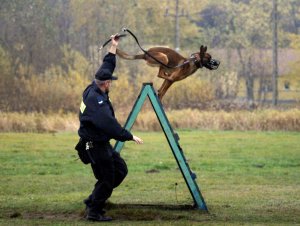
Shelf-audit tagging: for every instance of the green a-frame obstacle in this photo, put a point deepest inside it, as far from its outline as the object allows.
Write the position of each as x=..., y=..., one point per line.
x=172, y=138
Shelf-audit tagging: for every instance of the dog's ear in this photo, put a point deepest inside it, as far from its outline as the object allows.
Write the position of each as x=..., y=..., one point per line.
x=205, y=48
x=202, y=51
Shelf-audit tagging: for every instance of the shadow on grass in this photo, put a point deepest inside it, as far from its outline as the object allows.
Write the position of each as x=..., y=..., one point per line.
x=149, y=206
x=150, y=212
x=125, y=212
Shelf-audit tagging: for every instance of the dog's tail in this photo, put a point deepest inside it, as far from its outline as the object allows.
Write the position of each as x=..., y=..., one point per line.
x=126, y=56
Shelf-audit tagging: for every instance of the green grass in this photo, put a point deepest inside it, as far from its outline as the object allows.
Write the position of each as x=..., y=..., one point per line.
x=245, y=177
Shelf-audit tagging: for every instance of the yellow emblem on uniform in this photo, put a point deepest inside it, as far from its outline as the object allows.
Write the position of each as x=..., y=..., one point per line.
x=82, y=107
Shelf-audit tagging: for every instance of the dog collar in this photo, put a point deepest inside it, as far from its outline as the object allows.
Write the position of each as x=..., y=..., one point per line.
x=198, y=63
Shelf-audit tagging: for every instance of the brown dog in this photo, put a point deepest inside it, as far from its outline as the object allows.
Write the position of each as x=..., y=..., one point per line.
x=172, y=66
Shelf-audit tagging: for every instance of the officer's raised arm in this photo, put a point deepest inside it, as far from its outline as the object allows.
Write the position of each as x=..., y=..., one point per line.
x=114, y=44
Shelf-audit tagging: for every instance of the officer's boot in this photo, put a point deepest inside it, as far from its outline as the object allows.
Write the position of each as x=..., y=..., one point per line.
x=95, y=212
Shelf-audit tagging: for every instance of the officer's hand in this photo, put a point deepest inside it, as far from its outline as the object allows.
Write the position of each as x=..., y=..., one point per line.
x=114, y=40
x=137, y=140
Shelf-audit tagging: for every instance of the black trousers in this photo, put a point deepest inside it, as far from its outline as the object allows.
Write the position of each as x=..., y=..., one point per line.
x=109, y=170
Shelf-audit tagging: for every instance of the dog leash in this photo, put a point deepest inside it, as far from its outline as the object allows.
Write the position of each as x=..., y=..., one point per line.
x=146, y=52
x=109, y=40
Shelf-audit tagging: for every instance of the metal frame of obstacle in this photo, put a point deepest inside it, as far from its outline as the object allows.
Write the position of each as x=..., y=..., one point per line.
x=173, y=138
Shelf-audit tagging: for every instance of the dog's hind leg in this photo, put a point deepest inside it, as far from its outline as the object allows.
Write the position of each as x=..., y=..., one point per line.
x=163, y=89
x=161, y=57
x=126, y=56
x=164, y=75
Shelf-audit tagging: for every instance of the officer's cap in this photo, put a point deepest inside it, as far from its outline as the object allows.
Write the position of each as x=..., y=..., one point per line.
x=105, y=74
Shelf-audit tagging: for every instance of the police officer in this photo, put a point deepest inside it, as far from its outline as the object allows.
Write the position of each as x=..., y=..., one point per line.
x=97, y=126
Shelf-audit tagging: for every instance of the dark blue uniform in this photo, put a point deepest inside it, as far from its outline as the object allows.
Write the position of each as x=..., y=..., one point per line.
x=97, y=126
x=97, y=118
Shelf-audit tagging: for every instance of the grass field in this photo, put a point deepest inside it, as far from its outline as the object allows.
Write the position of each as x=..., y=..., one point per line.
x=245, y=177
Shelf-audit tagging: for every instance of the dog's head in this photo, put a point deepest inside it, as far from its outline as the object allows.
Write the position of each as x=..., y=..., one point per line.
x=204, y=59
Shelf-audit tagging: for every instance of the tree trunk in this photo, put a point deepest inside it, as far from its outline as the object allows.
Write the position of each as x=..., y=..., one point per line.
x=275, y=55
x=249, y=78
x=250, y=83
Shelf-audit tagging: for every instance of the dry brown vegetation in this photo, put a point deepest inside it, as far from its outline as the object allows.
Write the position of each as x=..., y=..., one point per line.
x=260, y=120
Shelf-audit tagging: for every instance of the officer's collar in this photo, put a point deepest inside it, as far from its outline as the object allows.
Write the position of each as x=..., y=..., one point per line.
x=98, y=90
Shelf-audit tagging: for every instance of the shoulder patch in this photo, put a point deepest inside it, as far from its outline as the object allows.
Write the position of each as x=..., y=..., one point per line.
x=82, y=107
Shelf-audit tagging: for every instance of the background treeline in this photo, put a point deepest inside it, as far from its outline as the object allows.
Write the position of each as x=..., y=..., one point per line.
x=48, y=51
